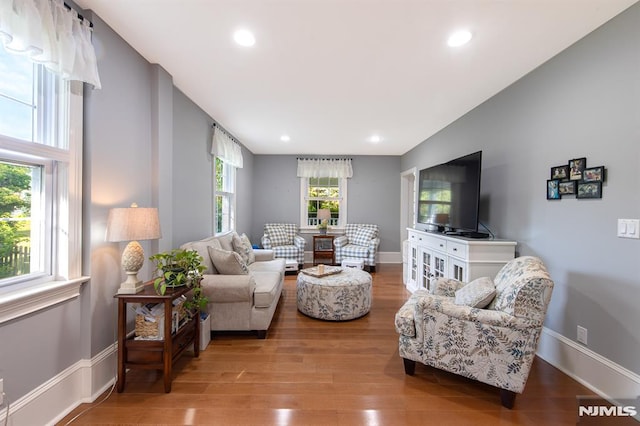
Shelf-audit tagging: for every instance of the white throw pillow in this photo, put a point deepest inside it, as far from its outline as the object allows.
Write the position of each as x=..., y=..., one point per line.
x=228, y=262
x=477, y=294
x=243, y=247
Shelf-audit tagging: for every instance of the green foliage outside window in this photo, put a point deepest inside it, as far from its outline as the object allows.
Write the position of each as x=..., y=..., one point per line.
x=324, y=193
x=15, y=204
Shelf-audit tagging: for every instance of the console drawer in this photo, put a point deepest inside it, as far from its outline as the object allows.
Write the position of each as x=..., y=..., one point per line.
x=436, y=243
x=456, y=249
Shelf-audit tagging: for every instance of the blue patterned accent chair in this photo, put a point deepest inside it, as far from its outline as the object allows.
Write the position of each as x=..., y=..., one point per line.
x=360, y=241
x=284, y=240
x=451, y=329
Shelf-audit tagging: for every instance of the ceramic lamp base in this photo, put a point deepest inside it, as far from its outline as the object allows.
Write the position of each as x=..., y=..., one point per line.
x=132, y=261
x=132, y=285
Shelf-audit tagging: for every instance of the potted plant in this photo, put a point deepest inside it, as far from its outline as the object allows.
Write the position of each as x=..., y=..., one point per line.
x=177, y=268
x=323, y=226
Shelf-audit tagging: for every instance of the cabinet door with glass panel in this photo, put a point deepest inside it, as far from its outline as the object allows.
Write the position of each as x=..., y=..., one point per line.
x=432, y=265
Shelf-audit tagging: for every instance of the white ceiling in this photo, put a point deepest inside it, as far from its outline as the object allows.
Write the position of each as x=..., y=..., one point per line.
x=331, y=73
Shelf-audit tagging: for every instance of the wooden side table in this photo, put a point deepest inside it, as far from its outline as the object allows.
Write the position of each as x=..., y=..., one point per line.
x=323, y=250
x=154, y=354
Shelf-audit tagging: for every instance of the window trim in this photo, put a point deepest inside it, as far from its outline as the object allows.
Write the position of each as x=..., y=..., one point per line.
x=304, y=213
x=25, y=297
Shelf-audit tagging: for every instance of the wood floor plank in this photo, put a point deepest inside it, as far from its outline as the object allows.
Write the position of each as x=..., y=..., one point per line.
x=313, y=372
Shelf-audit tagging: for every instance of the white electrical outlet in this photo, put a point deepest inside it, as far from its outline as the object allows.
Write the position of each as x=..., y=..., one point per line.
x=582, y=335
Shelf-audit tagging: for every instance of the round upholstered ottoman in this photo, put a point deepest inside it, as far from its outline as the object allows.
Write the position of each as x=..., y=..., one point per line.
x=338, y=297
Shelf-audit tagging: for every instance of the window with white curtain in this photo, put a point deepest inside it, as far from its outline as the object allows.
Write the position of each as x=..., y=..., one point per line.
x=45, y=55
x=323, y=185
x=227, y=158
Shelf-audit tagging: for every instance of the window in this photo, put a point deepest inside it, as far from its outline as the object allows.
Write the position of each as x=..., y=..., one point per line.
x=225, y=203
x=323, y=193
x=40, y=186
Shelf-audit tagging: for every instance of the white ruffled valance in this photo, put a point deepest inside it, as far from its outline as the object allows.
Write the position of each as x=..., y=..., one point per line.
x=52, y=35
x=324, y=167
x=224, y=147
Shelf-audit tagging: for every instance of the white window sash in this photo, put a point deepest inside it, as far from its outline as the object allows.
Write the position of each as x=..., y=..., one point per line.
x=304, y=213
x=64, y=279
x=227, y=194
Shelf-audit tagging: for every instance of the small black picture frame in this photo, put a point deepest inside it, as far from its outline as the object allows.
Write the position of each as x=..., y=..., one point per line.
x=593, y=174
x=553, y=193
x=589, y=189
x=576, y=167
x=560, y=172
x=567, y=187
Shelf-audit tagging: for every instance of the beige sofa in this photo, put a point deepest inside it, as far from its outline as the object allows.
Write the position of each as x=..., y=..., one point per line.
x=243, y=301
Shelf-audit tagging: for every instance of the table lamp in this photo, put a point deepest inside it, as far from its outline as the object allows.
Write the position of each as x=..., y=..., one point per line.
x=132, y=224
x=324, y=214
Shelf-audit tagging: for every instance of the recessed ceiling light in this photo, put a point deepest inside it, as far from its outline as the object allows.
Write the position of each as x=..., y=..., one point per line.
x=244, y=38
x=375, y=139
x=285, y=138
x=459, y=38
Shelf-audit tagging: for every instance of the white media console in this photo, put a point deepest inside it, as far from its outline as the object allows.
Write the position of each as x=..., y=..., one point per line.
x=434, y=255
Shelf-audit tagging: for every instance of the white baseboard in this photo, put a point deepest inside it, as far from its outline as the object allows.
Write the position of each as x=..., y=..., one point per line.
x=604, y=377
x=50, y=402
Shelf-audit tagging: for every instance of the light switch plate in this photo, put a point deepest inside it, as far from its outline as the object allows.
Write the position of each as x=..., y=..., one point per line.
x=629, y=228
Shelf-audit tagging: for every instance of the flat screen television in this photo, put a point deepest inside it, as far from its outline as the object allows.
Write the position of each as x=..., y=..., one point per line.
x=449, y=196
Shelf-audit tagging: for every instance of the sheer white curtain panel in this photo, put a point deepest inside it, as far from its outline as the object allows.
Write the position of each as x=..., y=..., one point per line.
x=227, y=149
x=324, y=167
x=52, y=35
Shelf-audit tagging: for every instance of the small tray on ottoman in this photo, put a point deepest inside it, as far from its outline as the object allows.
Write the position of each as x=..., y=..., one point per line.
x=328, y=270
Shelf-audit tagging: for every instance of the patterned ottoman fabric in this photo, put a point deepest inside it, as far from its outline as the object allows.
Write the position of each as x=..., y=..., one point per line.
x=340, y=297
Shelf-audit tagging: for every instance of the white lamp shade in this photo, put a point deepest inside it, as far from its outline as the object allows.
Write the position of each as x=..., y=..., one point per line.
x=324, y=214
x=133, y=224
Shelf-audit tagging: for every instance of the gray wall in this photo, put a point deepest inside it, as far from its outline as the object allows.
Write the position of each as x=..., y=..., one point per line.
x=192, y=171
x=583, y=103
x=373, y=195
x=193, y=175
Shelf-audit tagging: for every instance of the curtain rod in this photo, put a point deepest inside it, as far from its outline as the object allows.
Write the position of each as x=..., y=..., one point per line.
x=216, y=125
x=82, y=18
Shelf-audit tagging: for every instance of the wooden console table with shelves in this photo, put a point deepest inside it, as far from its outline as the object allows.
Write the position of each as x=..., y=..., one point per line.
x=323, y=250
x=434, y=255
x=154, y=354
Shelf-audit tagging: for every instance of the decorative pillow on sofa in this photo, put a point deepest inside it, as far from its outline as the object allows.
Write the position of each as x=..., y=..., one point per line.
x=214, y=244
x=279, y=236
x=228, y=262
x=363, y=236
x=243, y=247
x=477, y=294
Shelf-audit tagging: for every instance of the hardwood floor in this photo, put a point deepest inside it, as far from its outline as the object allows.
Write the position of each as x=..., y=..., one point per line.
x=312, y=372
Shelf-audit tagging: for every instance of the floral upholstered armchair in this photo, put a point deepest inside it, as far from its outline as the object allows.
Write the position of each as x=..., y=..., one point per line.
x=486, y=330
x=284, y=240
x=360, y=241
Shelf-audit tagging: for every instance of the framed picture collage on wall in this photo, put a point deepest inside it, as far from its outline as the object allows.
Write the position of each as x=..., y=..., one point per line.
x=575, y=178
